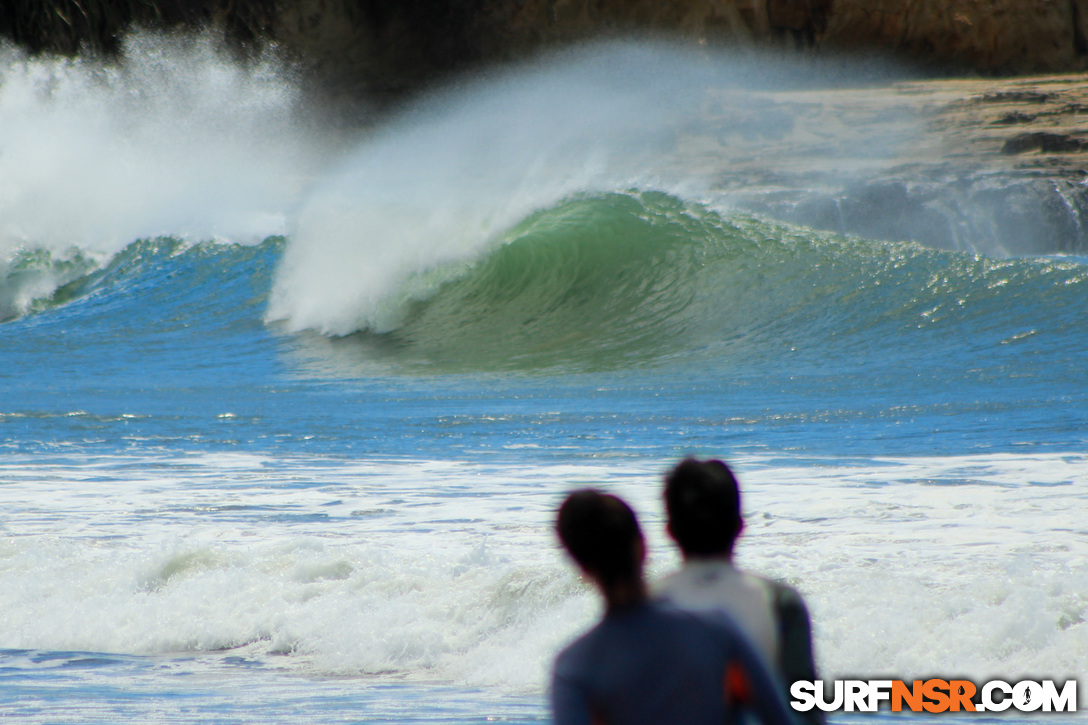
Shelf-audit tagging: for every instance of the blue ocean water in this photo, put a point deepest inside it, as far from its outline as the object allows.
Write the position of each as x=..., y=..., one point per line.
x=285, y=413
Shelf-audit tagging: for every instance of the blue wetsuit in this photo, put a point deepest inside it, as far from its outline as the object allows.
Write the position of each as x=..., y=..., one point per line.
x=651, y=664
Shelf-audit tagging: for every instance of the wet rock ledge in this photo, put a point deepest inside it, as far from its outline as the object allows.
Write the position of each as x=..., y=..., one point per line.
x=997, y=166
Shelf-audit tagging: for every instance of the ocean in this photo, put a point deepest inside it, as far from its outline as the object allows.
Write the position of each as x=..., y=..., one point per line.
x=287, y=404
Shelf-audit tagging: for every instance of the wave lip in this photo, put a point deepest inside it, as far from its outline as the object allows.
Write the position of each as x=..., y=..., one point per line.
x=443, y=183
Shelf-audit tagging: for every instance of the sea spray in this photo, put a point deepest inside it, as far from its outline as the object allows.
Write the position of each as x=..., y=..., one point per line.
x=420, y=202
x=179, y=139
x=436, y=187
x=173, y=138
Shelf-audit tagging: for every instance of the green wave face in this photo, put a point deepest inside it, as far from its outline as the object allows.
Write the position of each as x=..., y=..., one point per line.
x=593, y=282
x=599, y=282
x=39, y=279
x=636, y=279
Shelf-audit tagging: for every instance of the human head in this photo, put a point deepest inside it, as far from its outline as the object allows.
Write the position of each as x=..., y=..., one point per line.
x=602, y=534
x=702, y=500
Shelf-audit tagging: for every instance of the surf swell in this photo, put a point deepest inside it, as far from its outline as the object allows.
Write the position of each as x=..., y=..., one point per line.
x=608, y=281
x=626, y=279
x=164, y=278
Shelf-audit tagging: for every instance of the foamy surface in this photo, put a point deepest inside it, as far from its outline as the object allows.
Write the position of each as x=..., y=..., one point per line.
x=439, y=570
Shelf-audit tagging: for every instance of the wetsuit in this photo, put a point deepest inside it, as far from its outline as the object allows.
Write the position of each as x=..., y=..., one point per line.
x=772, y=614
x=651, y=664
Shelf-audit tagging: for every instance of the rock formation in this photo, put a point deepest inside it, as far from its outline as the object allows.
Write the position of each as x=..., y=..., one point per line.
x=395, y=44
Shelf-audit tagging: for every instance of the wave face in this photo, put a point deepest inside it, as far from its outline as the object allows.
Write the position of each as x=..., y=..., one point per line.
x=605, y=281
x=195, y=285
x=621, y=280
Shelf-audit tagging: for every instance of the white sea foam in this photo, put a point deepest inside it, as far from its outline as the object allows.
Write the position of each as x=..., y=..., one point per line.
x=446, y=571
x=173, y=139
x=971, y=564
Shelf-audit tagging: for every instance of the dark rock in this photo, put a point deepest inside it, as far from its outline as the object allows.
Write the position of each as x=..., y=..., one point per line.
x=1019, y=97
x=1053, y=143
x=1011, y=119
x=406, y=44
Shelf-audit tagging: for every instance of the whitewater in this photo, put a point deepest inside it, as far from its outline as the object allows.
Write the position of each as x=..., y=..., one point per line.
x=287, y=405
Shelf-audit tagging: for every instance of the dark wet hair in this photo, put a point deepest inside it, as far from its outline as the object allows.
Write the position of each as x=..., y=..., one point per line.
x=703, y=503
x=601, y=532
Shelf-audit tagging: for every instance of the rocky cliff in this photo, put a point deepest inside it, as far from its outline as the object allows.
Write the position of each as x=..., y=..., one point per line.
x=411, y=40
x=397, y=44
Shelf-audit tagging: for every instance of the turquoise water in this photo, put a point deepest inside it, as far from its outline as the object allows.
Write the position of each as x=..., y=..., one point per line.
x=282, y=437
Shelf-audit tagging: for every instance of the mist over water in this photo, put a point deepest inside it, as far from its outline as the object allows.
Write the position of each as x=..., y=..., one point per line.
x=437, y=188
x=174, y=138
x=177, y=139
x=434, y=190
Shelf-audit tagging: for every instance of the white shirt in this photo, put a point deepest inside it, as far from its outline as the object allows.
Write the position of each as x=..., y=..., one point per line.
x=717, y=584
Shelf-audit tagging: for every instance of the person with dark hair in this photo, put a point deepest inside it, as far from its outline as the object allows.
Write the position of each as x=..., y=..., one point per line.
x=702, y=502
x=646, y=663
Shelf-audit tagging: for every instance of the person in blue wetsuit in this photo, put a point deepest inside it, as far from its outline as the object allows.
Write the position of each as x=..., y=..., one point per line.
x=646, y=663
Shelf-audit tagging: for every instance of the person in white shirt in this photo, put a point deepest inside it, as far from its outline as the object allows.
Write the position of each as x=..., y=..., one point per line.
x=702, y=502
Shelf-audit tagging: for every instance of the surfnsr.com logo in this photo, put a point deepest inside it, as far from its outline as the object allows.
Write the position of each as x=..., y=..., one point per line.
x=935, y=695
